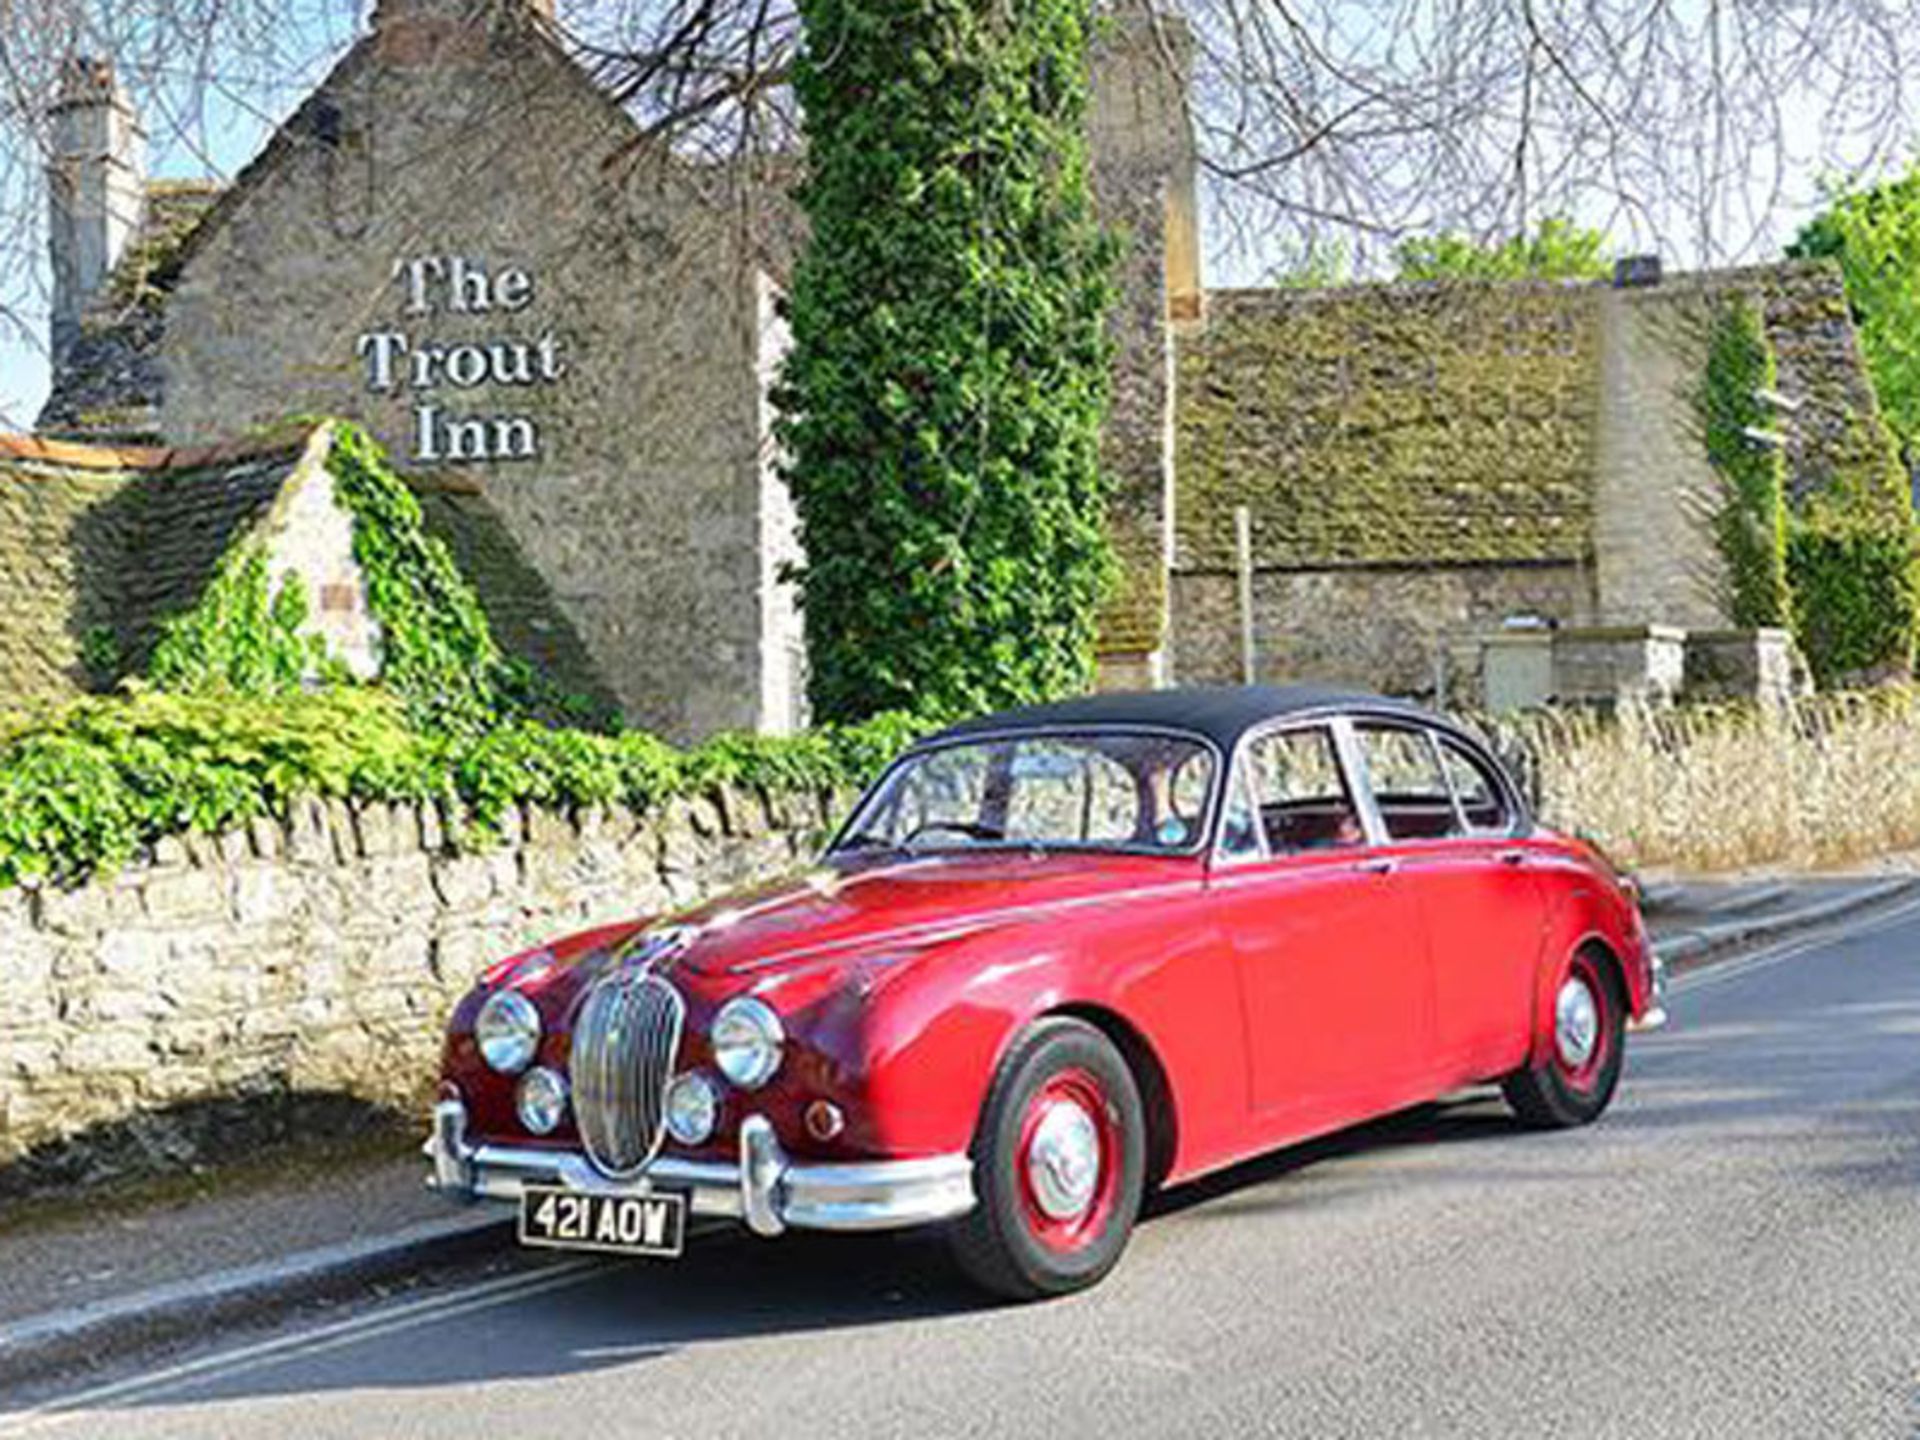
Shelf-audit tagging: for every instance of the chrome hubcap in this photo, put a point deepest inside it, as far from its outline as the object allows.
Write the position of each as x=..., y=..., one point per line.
x=1576, y=1023
x=1063, y=1162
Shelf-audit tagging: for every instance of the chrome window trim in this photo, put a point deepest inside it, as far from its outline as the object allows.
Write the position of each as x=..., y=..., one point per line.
x=1453, y=795
x=1330, y=721
x=1519, y=818
x=1201, y=845
x=1354, y=756
x=1240, y=774
x=1501, y=785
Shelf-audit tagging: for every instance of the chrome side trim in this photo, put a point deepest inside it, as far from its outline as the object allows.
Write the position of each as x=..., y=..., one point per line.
x=765, y=1190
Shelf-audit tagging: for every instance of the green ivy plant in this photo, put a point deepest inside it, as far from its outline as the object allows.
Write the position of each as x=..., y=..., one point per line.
x=87, y=785
x=942, y=401
x=244, y=635
x=437, y=650
x=1856, y=591
x=1751, y=522
x=1557, y=250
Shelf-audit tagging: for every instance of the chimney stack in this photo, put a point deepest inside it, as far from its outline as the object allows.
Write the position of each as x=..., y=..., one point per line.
x=96, y=187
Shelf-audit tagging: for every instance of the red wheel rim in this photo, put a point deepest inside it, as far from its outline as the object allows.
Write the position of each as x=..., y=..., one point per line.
x=1069, y=1118
x=1582, y=1024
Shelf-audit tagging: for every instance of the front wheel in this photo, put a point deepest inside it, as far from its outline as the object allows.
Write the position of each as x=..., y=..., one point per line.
x=1576, y=1080
x=1058, y=1162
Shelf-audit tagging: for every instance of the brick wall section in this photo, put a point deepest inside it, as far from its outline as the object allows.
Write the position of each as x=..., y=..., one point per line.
x=316, y=956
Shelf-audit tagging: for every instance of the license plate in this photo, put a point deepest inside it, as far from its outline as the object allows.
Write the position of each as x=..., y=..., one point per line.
x=653, y=1224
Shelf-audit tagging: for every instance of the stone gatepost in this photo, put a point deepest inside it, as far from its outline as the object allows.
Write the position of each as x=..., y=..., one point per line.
x=1755, y=665
x=1608, y=665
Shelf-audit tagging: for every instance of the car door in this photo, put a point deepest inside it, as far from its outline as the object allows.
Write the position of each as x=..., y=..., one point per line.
x=1328, y=949
x=1449, y=818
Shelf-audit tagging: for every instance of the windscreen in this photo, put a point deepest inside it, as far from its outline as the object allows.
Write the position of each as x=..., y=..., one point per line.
x=1118, y=790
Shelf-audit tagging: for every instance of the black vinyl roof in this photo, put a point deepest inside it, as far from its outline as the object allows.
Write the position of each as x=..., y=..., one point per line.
x=1221, y=713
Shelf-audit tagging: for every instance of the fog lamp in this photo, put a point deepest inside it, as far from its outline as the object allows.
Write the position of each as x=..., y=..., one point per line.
x=693, y=1108
x=541, y=1100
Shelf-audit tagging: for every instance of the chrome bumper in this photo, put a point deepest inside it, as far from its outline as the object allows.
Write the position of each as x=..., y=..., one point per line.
x=1655, y=1015
x=765, y=1190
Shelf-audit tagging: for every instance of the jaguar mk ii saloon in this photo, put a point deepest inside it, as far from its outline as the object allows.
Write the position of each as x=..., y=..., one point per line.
x=1057, y=957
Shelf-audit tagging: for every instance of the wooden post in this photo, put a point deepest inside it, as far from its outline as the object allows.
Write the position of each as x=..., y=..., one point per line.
x=1243, y=559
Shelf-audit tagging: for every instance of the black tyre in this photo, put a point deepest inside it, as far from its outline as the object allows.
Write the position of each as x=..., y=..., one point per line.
x=1058, y=1160
x=1577, y=1079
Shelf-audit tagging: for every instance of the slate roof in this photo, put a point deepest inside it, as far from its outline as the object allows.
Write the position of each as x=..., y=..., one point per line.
x=1457, y=423
x=99, y=545
x=106, y=388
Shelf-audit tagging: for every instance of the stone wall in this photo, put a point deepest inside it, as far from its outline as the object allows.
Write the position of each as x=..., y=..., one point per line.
x=318, y=956
x=1374, y=628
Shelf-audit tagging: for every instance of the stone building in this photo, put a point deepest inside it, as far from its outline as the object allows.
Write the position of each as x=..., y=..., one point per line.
x=1426, y=460
x=101, y=545
x=458, y=240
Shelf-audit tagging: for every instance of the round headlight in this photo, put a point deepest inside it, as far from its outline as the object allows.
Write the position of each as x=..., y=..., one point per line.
x=507, y=1032
x=693, y=1108
x=746, y=1042
x=541, y=1100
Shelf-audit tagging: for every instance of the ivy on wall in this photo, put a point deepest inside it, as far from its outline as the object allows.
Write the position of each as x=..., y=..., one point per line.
x=87, y=785
x=1856, y=592
x=245, y=634
x=436, y=649
x=942, y=400
x=1751, y=524
x=1839, y=568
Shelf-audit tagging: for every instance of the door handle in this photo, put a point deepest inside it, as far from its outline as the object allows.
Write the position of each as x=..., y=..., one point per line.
x=1513, y=857
x=1379, y=865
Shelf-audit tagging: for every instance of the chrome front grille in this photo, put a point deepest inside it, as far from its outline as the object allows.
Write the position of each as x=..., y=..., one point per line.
x=624, y=1043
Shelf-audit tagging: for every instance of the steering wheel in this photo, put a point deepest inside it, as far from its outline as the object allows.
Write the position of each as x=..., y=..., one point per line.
x=957, y=827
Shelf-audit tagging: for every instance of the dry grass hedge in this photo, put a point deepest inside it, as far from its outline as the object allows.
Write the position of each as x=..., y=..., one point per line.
x=1715, y=787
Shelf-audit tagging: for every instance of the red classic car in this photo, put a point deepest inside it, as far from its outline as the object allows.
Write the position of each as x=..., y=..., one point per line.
x=1057, y=957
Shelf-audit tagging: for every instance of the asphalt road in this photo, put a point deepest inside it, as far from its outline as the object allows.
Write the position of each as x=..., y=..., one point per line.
x=1734, y=1250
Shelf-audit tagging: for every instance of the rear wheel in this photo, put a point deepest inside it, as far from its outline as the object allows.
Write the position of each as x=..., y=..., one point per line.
x=1058, y=1161
x=1576, y=1080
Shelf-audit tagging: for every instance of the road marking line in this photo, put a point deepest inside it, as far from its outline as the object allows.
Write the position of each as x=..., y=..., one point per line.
x=1788, y=949
x=481, y=1295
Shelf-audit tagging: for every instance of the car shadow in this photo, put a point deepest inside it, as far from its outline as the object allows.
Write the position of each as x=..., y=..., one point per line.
x=1469, y=1116
x=600, y=1313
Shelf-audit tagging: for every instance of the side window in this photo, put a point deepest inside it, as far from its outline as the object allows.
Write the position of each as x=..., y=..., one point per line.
x=1410, y=788
x=1301, y=793
x=1481, y=798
